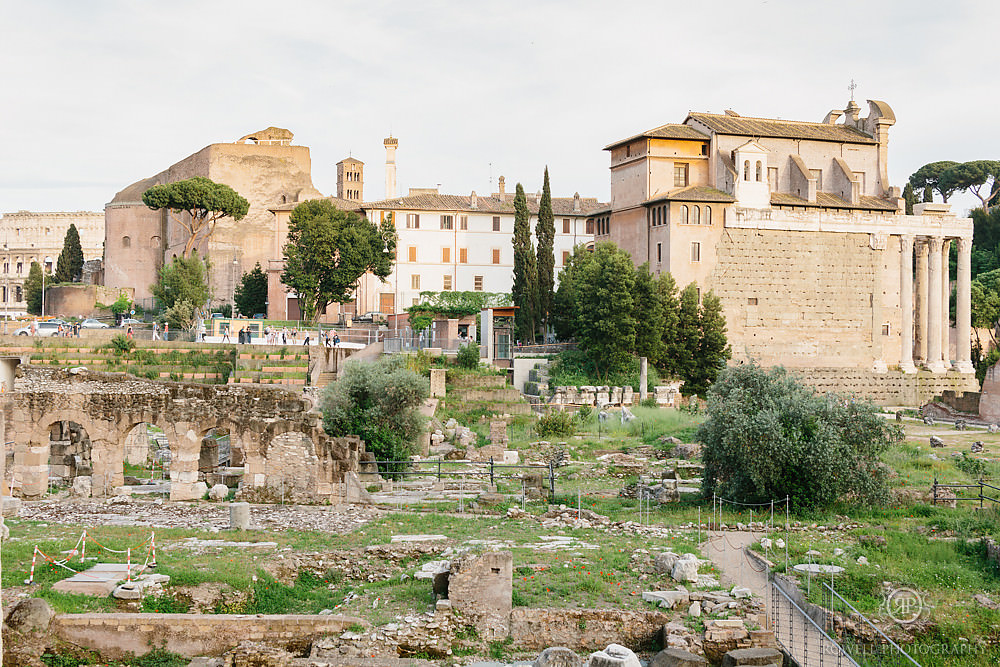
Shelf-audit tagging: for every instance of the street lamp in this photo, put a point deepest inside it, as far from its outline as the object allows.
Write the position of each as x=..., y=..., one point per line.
x=232, y=313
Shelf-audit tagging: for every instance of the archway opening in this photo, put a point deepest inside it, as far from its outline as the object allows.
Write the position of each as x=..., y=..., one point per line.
x=147, y=459
x=220, y=460
x=69, y=455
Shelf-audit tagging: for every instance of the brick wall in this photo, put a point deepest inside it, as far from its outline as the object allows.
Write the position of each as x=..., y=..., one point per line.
x=585, y=629
x=190, y=635
x=891, y=388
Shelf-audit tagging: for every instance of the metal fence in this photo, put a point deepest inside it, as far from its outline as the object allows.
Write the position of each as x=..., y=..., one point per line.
x=982, y=486
x=804, y=640
x=882, y=652
x=413, y=342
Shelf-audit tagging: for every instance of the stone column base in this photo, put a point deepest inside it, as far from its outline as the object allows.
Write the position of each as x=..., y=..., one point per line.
x=937, y=367
x=965, y=367
x=907, y=367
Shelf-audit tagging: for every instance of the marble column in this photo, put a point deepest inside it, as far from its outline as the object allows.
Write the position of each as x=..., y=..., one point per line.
x=906, y=303
x=963, y=308
x=922, y=295
x=945, y=305
x=934, y=363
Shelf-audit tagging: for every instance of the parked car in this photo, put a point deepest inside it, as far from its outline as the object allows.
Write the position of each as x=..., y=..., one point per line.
x=372, y=316
x=91, y=323
x=46, y=328
x=129, y=321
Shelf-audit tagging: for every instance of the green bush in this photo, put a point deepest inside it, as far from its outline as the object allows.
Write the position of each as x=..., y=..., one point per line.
x=584, y=414
x=649, y=402
x=468, y=356
x=121, y=344
x=555, y=423
x=974, y=468
x=164, y=604
x=768, y=436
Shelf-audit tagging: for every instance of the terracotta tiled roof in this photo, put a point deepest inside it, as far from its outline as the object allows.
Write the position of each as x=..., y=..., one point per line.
x=694, y=193
x=785, y=129
x=342, y=204
x=828, y=200
x=561, y=206
x=668, y=131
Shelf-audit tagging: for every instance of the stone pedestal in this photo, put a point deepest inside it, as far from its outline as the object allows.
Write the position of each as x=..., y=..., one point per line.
x=239, y=516
x=437, y=382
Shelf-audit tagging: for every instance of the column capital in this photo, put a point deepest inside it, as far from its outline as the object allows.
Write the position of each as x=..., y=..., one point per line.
x=964, y=244
x=934, y=243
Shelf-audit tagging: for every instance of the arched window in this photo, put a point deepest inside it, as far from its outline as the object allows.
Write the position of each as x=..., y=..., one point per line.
x=760, y=174
x=746, y=170
x=708, y=215
x=684, y=215
x=696, y=218
x=154, y=241
x=126, y=242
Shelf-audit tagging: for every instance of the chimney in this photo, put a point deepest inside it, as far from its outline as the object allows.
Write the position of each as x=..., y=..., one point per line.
x=390, y=166
x=500, y=184
x=473, y=200
x=576, y=203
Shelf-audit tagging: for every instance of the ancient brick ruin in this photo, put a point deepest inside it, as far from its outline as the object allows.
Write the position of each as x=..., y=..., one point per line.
x=77, y=424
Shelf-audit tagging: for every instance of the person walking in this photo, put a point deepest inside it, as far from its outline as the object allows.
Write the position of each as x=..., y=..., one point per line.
x=225, y=333
x=128, y=334
x=166, y=331
x=156, y=331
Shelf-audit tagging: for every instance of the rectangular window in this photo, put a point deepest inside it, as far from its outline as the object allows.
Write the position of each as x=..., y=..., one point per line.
x=818, y=175
x=496, y=255
x=565, y=257
x=416, y=300
x=496, y=223
x=477, y=283
x=565, y=225
x=885, y=329
x=659, y=252
x=751, y=301
x=590, y=226
x=445, y=255
x=680, y=174
x=463, y=222
x=411, y=253
x=415, y=281
x=772, y=178
x=446, y=285
x=447, y=222
x=860, y=176
x=413, y=221
x=463, y=255
x=695, y=251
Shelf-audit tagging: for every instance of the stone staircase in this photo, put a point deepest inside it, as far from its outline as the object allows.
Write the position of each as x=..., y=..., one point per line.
x=537, y=386
x=325, y=378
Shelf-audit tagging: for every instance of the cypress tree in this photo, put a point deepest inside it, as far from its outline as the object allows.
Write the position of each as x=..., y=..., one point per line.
x=545, y=232
x=33, y=289
x=525, y=289
x=910, y=197
x=69, y=267
x=928, y=194
x=713, y=350
x=649, y=313
x=682, y=348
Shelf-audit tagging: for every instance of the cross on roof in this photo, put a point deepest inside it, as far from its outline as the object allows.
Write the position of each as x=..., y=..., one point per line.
x=851, y=88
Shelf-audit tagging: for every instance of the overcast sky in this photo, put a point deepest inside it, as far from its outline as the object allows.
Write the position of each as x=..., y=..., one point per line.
x=102, y=93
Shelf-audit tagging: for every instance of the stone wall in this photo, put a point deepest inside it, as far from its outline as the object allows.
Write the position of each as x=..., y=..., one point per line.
x=190, y=635
x=891, y=389
x=480, y=587
x=805, y=299
x=585, y=629
x=82, y=300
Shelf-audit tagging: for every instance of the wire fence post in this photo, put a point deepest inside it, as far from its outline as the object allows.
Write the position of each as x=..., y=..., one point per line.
x=579, y=513
x=552, y=481
x=439, y=469
x=492, y=481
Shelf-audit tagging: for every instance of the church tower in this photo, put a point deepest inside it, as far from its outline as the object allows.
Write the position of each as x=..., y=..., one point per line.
x=351, y=179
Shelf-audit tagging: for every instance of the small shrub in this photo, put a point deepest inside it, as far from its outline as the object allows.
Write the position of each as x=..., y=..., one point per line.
x=555, y=423
x=584, y=414
x=649, y=402
x=121, y=344
x=468, y=356
x=164, y=604
x=972, y=467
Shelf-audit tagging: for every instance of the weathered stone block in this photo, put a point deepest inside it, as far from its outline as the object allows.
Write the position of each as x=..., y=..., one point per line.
x=674, y=657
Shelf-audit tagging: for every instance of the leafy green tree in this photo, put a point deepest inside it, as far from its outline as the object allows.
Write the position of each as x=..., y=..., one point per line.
x=251, y=294
x=379, y=402
x=545, y=232
x=985, y=293
x=69, y=266
x=328, y=251
x=666, y=288
x=929, y=176
x=182, y=315
x=606, y=324
x=183, y=279
x=909, y=197
x=33, y=289
x=565, y=300
x=978, y=176
x=713, y=349
x=525, y=288
x=767, y=437
x=204, y=202
x=650, y=317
